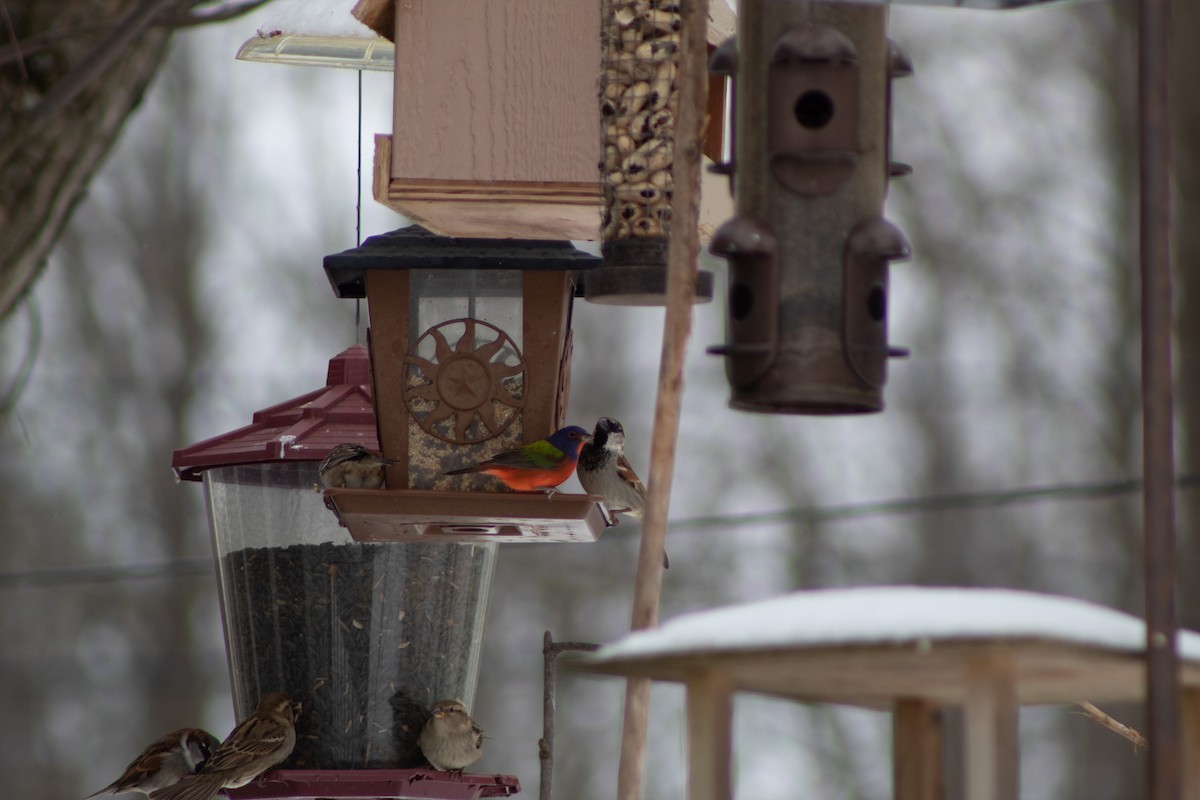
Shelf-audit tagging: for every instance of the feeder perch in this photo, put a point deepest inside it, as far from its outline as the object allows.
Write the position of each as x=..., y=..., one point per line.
x=494, y=132
x=368, y=637
x=399, y=784
x=471, y=347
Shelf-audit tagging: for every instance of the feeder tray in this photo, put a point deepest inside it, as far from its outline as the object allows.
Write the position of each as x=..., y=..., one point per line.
x=423, y=515
x=382, y=784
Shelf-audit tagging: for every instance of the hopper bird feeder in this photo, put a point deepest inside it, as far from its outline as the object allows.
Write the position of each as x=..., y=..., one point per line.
x=367, y=636
x=471, y=348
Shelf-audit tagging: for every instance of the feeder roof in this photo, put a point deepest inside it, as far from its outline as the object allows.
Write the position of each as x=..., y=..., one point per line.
x=870, y=646
x=304, y=428
x=416, y=247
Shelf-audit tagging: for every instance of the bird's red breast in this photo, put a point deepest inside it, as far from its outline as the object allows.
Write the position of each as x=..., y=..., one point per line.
x=531, y=480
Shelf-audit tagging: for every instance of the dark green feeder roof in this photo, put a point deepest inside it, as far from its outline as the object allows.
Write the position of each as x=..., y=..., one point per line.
x=415, y=247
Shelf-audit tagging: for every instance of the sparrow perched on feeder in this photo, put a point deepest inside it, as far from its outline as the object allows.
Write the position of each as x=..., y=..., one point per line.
x=450, y=739
x=352, y=466
x=163, y=762
x=604, y=470
x=538, y=466
x=262, y=740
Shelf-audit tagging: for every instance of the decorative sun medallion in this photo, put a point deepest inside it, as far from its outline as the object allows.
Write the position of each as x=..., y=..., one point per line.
x=468, y=392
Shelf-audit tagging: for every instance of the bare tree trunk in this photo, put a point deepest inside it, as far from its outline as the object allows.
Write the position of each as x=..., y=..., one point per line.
x=49, y=156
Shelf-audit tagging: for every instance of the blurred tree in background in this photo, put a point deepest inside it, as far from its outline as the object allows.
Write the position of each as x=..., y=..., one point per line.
x=71, y=72
x=187, y=292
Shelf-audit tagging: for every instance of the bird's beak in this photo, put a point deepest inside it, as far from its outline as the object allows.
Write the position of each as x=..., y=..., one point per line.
x=585, y=438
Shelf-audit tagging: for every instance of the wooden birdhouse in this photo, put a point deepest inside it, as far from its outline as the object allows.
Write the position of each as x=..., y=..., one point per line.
x=470, y=345
x=496, y=117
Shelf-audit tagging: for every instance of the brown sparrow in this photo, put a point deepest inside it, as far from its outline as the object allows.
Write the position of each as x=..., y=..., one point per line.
x=451, y=740
x=352, y=466
x=261, y=741
x=163, y=762
x=604, y=470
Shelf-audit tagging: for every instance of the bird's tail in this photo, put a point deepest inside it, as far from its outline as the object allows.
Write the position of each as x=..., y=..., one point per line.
x=192, y=787
x=110, y=789
x=464, y=470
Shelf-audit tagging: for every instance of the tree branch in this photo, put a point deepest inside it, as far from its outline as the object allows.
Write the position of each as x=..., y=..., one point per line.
x=226, y=11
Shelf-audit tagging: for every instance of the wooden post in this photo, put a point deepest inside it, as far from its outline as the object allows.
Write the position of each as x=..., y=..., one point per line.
x=991, y=729
x=682, y=261
x=710, y=737
x=917, y=750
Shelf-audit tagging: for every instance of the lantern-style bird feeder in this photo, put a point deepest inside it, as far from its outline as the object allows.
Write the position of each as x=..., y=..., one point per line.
x=471, y=347
x=367, y=636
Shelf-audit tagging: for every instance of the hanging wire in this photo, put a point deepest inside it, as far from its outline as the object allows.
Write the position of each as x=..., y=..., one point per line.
x=1095, y=490
x=358, y=209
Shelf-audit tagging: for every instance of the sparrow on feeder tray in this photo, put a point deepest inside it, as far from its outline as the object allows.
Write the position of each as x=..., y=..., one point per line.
x=164, y=762
x=262, y=740
x=538, y=466
x=451, y=740
x=352, y=466
x=604, y=470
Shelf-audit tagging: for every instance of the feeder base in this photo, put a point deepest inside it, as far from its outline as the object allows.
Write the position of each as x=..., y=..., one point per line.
x=380, y=784
x=423, y=515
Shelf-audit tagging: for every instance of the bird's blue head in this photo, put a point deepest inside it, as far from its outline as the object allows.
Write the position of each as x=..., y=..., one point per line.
x=570, y=439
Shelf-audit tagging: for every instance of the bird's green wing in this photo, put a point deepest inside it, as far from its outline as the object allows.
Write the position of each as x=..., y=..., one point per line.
x=538, y=455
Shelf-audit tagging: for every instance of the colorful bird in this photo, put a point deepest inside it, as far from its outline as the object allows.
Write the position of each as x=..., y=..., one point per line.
x=450, y=739
x=604, y=470
x=164, y=762
x=538, y=466
x=262, y=740
x=352, y=466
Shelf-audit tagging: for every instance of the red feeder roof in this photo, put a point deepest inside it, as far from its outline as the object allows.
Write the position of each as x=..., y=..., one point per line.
x=304, y=428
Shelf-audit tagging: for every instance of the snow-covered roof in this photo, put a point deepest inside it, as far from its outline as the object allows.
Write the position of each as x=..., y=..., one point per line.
x=870, y=644
x=324, y=18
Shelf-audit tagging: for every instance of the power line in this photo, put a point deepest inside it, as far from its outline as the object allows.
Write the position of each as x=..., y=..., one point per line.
x=203, y=565
x=930, y=503
x=107, y=573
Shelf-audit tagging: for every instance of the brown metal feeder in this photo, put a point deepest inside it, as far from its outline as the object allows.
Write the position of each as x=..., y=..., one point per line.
x=471, y=348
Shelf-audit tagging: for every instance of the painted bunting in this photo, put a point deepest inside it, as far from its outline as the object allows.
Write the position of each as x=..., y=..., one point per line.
x=604, y=470
x=538, y=466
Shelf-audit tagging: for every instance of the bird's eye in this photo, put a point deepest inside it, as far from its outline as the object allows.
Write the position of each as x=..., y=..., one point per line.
x=574, y=435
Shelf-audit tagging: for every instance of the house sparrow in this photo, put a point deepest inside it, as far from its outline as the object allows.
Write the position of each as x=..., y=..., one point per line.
x=164, y=762
x=604, y=470
x=352, y=466
x=538, y=466
x=451, y=740
x=262, y=740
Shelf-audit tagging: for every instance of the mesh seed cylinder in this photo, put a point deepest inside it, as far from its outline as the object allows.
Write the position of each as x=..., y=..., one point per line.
x=638, y=102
